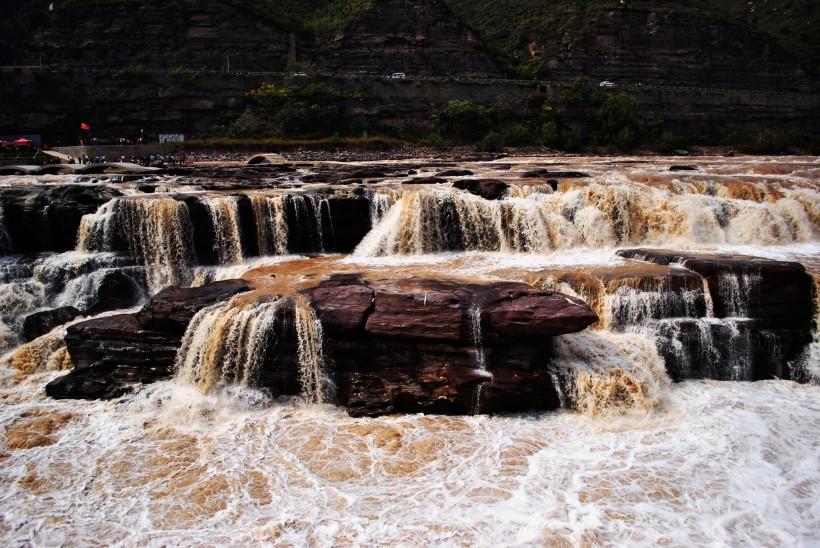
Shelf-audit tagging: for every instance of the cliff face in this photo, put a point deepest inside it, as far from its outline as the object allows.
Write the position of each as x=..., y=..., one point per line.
x=696, y=58
x=418, y=37
x=661, y=47
x=155, y=33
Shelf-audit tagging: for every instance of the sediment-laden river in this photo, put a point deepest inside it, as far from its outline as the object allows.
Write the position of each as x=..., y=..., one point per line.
x=528, y=351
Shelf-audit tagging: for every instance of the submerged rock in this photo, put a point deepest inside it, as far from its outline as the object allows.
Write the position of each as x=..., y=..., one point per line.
x=489, y=189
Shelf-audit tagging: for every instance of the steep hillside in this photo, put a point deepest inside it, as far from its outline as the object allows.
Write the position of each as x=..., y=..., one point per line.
x=511, y=26
x=521, y=35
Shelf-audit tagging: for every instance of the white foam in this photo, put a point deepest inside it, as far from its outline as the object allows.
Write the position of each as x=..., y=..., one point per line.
x=727, y=463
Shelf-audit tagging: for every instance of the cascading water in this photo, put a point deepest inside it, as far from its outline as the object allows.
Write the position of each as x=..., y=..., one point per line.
x=18, y=299
x=97, y=231
x=172, y=465
x=158, y=232
x=160, y=236
x=226, y=344
x=601, y=372
x=597, y=215
x=474, y=320
x=316, y=384
x=380, y=200
x=308, y=211
x=630, y=306
x=5, y=239
x=271, y=224
x=224, y=212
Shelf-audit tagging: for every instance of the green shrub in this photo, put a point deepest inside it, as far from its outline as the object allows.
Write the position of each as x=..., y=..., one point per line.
x=492, y=142
x=521, y=134
x=462, y=121
x=311, y=110
x=670, y=141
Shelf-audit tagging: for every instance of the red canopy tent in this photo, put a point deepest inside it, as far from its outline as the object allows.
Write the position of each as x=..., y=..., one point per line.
x=22, y=142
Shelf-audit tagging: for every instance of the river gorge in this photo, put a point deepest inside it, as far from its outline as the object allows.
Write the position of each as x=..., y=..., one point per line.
x=567, y=351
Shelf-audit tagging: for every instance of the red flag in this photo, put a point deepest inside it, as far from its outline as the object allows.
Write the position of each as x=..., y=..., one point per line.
x=85, y=127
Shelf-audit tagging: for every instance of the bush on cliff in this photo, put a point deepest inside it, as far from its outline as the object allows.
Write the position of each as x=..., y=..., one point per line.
x=311, y=110
x=463, y=121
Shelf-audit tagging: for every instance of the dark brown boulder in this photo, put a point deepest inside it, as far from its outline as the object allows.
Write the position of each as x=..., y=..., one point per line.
x=430, y=312
x=454, y=173
x=524, y=313
x=172, y=308
x=116, y=291
x=425, y=181
x=113, y=352
x=342, y=304
x=426, y=346
x=489, y=189
x=40, y=323
x=544, y=172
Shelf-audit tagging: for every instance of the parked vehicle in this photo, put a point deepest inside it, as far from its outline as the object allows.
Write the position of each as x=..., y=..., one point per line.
x=300, y=75
x=607, y=84
x=398, y=76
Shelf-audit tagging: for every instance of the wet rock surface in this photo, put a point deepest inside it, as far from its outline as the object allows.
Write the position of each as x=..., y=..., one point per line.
x=761, y=318
x=402, y=346
x=114, y=351
x=777, y=292
x=40, y=323
x=425, y=346
x=46, y=218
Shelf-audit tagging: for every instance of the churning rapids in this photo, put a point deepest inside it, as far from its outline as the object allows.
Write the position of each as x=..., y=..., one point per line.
x=295, y=390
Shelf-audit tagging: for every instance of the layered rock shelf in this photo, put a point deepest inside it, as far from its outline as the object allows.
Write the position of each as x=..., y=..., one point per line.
x=401, y=346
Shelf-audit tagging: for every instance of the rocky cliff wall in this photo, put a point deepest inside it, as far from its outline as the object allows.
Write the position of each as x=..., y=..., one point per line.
x=206, y=104
x=418, y=37
x=680, y=49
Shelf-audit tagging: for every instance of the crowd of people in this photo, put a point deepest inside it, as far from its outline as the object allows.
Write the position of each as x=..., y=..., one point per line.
x=151, y=160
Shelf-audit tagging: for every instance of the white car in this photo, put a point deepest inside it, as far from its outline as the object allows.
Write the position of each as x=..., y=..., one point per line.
x=398, y=76
x=607, y=84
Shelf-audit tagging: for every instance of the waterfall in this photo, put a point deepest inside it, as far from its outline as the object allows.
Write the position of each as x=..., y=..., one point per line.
x=809, y=362
x=224, y=212
x=705, y=347
x=271, y=224
x=317, y=387
x=160, y=236
x=307, y=210
x=707, y=295
x=736, y=290
x=595, y=215
x=474, y=321
x=380, y=200
x=97, y=231
x=601, y=372
x=17, y=300
x=629, y=306
x=227, y=343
